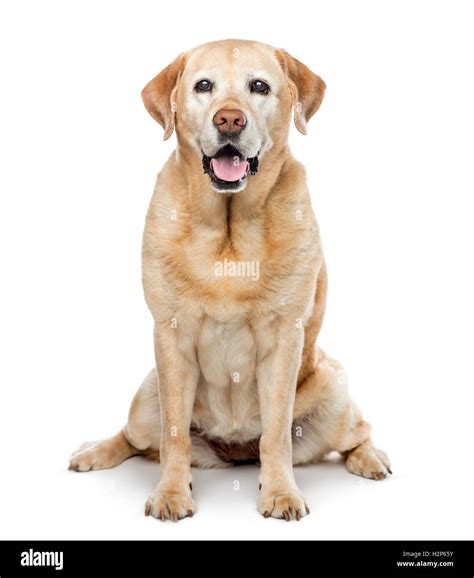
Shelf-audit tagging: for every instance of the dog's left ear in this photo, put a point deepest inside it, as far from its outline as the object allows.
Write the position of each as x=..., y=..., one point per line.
x=159, y=95
x=306, y=87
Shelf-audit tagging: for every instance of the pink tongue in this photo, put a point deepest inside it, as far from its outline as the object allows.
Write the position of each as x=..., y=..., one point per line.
x=229, y=168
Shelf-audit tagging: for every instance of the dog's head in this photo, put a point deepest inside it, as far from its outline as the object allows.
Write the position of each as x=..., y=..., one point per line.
x=231, y=102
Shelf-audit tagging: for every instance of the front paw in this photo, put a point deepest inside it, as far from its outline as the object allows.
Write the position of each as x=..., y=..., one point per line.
x=287, y=504
x=170, y=504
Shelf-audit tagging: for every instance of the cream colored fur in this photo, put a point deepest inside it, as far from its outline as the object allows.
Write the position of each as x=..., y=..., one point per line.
x=236, y=357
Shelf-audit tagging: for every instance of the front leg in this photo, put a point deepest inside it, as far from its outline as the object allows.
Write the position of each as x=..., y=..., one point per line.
x=178, y=373
x=279, y=359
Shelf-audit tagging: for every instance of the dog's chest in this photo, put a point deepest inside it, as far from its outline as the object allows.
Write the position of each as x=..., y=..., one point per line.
x=227, y=398
x=228, y=266
x=226, y=352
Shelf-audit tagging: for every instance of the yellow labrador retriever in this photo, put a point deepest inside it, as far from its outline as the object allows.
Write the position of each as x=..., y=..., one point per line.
x=234, y=275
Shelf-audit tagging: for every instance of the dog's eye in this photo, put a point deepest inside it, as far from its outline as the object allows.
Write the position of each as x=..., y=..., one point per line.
x=203, y=85
x=259, y=86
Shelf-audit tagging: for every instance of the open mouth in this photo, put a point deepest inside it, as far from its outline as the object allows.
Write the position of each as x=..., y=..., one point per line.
x=228, y=169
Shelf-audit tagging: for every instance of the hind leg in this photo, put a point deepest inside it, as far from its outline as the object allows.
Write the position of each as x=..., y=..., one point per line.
x=326, y=419
x=141, y=435
x=102, y=455
x=362, y=458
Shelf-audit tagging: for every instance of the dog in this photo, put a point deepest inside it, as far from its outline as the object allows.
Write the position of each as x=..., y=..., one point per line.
x=234, y=276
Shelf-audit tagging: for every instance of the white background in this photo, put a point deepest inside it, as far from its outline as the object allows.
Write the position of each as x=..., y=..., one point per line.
x=390, y=166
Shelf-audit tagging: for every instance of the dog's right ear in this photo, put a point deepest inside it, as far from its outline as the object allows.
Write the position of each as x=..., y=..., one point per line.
x=159, y=95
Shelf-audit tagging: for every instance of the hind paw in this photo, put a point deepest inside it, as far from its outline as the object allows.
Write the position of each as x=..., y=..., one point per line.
x=368, y=462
